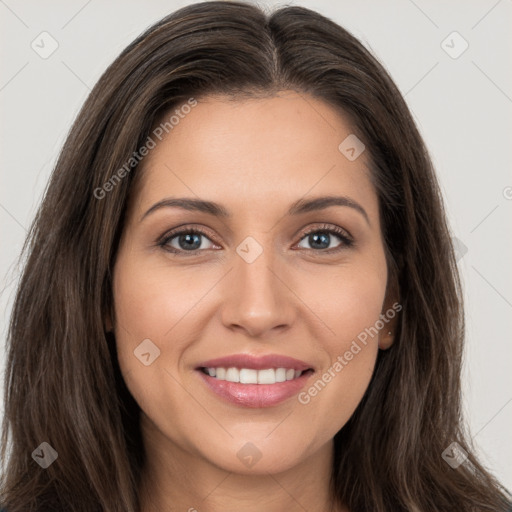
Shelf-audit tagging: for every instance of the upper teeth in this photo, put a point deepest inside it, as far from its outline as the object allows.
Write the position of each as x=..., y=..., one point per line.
x=251, y=376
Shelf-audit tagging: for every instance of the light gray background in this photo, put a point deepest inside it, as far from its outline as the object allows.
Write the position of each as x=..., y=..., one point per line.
x=463, y=107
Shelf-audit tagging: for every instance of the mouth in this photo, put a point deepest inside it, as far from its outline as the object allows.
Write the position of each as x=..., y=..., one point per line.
x=256, y=382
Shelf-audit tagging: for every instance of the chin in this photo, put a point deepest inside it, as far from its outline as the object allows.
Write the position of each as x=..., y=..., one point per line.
x=258, y=456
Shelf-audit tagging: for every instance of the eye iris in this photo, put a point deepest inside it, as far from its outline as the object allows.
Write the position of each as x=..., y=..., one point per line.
x=187, y=239
x=314, y=240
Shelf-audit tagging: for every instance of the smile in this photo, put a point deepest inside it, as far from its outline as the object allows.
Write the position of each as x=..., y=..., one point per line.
x=252, y=376
x=255, y=381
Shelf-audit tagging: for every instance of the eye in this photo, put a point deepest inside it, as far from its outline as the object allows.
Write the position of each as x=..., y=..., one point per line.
x=320, y=238
x=184, y=240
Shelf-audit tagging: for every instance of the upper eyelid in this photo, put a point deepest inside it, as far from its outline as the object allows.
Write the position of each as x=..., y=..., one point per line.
x=327, y=227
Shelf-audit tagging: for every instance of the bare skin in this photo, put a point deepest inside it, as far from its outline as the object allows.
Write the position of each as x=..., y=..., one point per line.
x=255, y=157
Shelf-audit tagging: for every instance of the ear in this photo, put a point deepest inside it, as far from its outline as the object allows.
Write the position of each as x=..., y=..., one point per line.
x=107, y=322
x=390, y=312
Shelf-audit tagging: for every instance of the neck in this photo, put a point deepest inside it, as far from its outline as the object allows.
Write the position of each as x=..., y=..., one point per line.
x=176, y=479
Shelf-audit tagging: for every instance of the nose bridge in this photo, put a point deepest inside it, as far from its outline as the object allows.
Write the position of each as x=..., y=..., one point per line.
x=256, y=299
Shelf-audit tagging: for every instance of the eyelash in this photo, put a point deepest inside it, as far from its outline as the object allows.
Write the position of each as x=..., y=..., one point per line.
x=341, y=233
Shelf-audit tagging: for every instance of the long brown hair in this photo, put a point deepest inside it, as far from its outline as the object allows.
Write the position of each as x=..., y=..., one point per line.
x=62, y=383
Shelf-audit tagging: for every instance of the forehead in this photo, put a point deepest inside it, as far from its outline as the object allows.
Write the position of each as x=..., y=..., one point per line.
x=253, y=152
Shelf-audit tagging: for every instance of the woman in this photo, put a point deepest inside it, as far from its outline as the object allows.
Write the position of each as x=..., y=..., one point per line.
x=180, y=341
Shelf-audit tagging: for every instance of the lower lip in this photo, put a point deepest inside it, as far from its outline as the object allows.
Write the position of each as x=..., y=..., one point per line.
x=255, y=395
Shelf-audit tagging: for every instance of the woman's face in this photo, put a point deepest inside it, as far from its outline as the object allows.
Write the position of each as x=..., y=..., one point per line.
x=253, y=288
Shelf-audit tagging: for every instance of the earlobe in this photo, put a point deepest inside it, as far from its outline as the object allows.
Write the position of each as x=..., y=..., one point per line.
x=107, y=322
x=390, y=314
x=386, y=339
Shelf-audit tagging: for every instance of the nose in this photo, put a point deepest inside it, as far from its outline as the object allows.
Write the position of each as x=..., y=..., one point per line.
x=257, y=298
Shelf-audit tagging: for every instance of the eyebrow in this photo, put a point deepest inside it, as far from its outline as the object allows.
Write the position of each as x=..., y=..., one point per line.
x=298, y=207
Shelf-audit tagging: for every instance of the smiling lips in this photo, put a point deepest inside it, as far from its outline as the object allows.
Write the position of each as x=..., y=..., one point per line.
x=255, y=381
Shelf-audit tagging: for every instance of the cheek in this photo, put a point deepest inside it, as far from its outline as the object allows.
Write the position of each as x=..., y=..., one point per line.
x=355, y=307
x=146, y=308
x=155, y=302
x=349, y=304
x=151, y=304
x=150, y=301
x=348, y=301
